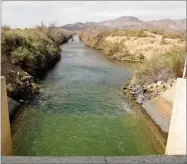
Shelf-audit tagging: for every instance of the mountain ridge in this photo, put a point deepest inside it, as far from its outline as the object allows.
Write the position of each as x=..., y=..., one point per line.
x=130, y=22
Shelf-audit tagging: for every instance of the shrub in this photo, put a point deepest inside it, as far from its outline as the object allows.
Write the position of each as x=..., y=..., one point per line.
x=128, y=33
x=176, y=62
x=30, y=48
x=156, y=30
x=162, y=40
x=161, y=67
x=166, y=34
x=140, y=33
x=116, y=48
x=21, y=54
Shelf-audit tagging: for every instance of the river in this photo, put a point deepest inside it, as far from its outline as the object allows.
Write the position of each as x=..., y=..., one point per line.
x=80, y=112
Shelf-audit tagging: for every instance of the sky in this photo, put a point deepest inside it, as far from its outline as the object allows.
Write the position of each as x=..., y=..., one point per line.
x=21, y=14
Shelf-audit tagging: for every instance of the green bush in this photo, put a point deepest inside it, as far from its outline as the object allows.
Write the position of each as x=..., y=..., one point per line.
x=161, y=67
x=31, y=49
x=21, y=54
x=176, y=62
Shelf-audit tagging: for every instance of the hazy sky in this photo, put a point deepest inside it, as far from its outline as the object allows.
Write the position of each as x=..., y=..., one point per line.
x=26, y=14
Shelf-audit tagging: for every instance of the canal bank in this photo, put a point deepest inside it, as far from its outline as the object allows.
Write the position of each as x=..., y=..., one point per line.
x=80, y=109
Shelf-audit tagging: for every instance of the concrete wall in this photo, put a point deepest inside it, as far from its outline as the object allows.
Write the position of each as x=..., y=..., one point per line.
x=166, y=159
x=176, y=143
x=160, y=109
x=6, y=141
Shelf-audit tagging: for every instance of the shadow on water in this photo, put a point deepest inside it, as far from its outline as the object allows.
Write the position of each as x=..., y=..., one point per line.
x=80, y=113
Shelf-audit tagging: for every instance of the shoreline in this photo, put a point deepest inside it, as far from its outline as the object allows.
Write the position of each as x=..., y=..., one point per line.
x=140, y=111
x=111, y=57
x=114, y=59
x=138, y=94
x=133, y=101
x=25, y=87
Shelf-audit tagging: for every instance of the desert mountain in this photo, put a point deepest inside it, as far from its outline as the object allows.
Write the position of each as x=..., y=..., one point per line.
x=130, y=22
x=121, y=22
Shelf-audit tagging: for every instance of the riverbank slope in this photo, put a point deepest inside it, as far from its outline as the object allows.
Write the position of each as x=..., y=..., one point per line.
x=27, y=55
x=132, y=45
x=159, y=55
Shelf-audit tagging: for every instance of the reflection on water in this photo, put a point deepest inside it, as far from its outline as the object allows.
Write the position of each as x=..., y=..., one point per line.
x=80, y=112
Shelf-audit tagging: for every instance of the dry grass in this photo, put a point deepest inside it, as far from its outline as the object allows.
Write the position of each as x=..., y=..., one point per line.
x=165, y=34
x=131, y=45
x=161, y=67
x=128, y=33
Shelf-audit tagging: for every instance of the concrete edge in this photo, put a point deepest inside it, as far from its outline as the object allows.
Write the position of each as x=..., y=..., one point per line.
x=167, y=159
x=151, y=107
x=177, y=129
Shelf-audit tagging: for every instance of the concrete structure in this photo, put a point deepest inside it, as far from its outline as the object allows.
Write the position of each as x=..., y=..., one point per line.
x=185, y=68
x=160, y=109
x=98, y=160
x=168, y=111
x=6, y=141
x=176, y=143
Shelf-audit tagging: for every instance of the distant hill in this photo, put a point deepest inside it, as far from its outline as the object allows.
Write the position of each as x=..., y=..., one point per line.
x=79, y=26
x=169, y=24
x=121, y=22
x=130, y=22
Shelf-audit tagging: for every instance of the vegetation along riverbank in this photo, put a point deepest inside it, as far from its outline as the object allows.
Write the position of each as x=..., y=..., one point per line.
x=159, y=55
x=27, y=54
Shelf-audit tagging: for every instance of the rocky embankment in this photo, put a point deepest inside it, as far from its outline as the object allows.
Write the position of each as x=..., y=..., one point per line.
x=141, y=94
x=27, y=55
x=20, y=85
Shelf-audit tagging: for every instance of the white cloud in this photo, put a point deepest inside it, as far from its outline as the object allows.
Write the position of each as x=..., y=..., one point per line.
x=26, y=14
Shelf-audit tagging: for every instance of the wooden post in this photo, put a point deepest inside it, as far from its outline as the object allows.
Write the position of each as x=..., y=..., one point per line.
x=6, y=140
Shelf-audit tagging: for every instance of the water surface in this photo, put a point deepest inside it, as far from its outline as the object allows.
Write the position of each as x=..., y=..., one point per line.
x=80, y=112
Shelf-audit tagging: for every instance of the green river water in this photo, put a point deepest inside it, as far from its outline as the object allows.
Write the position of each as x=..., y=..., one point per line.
x=80, y=112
